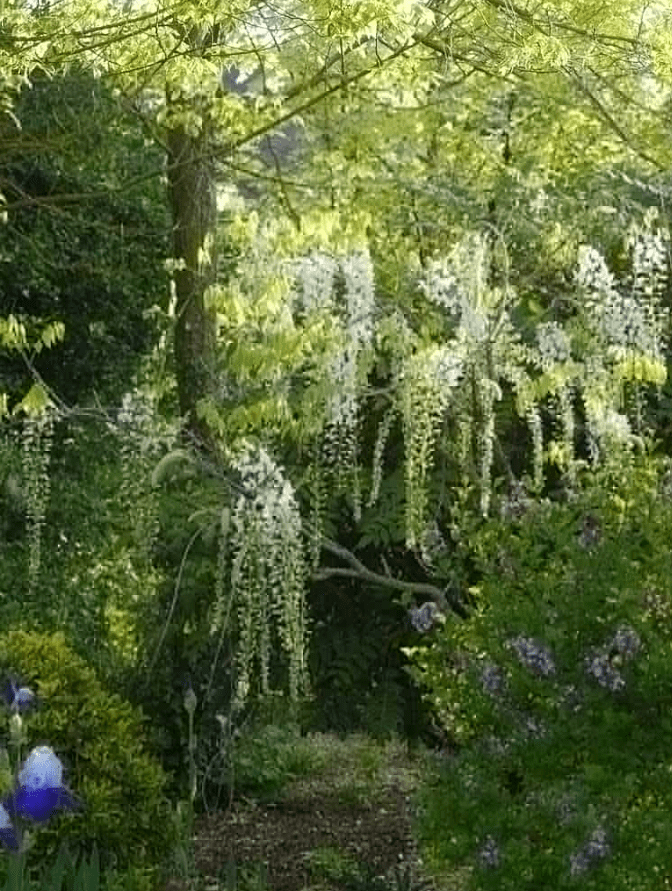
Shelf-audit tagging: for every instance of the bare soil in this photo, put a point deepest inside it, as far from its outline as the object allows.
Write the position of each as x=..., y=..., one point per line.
x=353, y=811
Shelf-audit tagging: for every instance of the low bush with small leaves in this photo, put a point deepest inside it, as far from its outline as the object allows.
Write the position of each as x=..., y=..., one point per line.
x=557, y=695
x=100, y=738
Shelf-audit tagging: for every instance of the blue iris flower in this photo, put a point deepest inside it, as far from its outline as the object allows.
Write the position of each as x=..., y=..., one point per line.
x=40, y=791
x=18, y=698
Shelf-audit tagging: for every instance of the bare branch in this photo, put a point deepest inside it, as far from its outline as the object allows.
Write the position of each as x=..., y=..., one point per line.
x=357, y=570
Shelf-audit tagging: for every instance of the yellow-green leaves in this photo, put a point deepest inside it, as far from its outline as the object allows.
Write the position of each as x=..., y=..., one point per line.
x=35, y=401
x=14, y=336
x=12, y=333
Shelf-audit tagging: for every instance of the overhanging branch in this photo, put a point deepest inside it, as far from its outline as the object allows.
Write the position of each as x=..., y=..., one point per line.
x=357, y=570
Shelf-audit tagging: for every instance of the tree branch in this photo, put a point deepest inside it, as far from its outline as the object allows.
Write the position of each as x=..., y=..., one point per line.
x=609, y=119
x=550, y=25
x=357, y=570
x=315, y=100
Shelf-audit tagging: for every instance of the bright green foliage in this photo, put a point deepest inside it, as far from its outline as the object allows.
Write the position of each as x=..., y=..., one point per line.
x=265, y=761
x=556, y=691
x=296, y=334
x=432, y=138
x=101, y=740
x=13, y=338
x=68, y=873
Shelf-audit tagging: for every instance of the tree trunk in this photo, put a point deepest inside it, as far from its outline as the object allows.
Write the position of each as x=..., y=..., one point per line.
x=191, y=185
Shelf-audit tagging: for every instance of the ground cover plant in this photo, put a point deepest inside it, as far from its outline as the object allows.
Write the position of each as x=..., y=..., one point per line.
x=556, y=695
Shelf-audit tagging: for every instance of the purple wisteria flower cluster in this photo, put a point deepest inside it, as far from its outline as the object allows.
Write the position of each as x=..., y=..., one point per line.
x=39, y=789
x=492, y=679
x=599, y=666
x=597, y=848
x=537, y=658
x=488, y=853
x=626, y=642
x=534, y=656
x=603, y=664
x=424, y=618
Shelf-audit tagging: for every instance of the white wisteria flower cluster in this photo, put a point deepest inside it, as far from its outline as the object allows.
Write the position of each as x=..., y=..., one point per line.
x=317, y=278
x=345, y=287
x=268, y=571
x=458, y=282
x=622, y=320
x=649, y=245
x=360, y=297
x=553, y=344
x=265, y=490
x=315, y=275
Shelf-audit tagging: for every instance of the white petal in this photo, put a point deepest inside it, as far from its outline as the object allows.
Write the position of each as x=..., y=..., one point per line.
x=42, y=770
x=5, y=822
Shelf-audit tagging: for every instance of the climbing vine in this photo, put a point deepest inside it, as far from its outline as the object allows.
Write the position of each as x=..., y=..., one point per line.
x=611, y=340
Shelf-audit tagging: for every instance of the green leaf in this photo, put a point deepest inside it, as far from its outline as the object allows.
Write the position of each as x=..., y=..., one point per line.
x=34, y=402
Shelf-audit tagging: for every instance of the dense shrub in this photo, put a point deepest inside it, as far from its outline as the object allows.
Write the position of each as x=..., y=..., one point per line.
x=100, y=739
x=558, y=692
